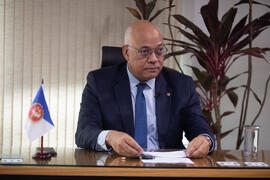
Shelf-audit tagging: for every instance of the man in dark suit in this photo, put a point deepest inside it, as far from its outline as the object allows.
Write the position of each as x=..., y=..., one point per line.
x=107, y=118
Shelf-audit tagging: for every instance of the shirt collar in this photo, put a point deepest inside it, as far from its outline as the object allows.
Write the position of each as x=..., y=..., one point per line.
x=134, y=81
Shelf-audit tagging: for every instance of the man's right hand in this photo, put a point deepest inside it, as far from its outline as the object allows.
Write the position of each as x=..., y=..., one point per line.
x=123, y=144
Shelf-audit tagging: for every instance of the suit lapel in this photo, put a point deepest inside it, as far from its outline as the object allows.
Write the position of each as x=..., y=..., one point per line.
x=163, y=108
x=123, y=98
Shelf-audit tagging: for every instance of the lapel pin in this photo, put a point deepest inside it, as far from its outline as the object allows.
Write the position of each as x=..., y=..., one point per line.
x=168, y=94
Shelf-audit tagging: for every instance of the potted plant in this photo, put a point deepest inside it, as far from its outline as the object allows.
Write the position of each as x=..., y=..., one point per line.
x=216, y=53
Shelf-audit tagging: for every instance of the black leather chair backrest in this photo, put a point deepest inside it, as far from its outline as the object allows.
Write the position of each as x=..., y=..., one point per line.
x=111, y=55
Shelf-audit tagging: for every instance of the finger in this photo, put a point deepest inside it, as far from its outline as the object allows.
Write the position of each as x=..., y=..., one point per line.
x=127, y=150
x=199, y=152
x=135, y=145
x=131, y=148
x=192, y=147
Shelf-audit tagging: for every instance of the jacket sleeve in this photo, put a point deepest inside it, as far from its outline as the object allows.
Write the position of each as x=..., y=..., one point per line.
x=195, y=122
x=89, y=123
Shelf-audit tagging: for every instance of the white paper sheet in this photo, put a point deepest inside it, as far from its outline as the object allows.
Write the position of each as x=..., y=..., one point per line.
x=172, y=157
x=169, y=160
x=170, y=154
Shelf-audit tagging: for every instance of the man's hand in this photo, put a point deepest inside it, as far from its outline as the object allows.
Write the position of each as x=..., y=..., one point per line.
x=123, y=144
x=198, y=147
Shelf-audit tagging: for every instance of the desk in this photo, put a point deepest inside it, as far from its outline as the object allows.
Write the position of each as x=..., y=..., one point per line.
x=79, y=162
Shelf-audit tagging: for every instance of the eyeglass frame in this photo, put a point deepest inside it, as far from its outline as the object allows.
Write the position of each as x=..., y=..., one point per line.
x=150, y=51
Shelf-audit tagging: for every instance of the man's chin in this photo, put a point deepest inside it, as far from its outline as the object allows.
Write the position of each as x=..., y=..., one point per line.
x=151, y=76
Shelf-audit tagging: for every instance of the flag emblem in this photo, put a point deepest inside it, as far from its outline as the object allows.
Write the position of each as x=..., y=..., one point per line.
x=36, y=112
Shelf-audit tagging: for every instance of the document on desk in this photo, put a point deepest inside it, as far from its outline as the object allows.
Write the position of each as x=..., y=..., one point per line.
x=171, y=157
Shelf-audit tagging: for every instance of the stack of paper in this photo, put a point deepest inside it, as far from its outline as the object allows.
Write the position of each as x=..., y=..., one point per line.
x=172, y=157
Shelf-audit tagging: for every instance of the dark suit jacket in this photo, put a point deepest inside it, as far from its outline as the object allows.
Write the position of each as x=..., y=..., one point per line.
x=107, y=105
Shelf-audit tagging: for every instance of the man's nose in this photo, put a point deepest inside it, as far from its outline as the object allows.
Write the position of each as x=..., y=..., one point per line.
x=153, y=57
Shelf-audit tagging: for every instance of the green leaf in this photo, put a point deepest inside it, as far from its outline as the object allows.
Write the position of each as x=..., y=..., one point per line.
x=134, y=12
x=226, y=113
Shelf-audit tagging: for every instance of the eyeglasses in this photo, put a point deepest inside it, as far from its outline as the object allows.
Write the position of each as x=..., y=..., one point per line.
x=146, y=52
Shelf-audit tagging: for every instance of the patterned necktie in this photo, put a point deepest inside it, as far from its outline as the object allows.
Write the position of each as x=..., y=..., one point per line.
x=140, y=117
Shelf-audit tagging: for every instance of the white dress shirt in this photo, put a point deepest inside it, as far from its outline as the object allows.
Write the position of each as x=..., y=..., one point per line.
x=149, y=94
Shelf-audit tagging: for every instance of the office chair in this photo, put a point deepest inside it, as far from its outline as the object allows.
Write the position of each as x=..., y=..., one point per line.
x=111, y=55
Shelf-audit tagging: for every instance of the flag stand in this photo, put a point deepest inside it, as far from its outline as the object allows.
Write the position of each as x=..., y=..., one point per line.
x=42, y=155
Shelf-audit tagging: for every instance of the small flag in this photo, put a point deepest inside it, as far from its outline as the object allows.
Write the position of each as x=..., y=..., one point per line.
x=39, y=120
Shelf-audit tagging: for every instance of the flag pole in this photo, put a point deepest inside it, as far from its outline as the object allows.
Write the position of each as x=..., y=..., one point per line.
x=41, y=143
x=42, y=155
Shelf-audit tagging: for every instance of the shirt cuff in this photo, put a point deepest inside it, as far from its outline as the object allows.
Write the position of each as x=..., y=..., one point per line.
x=101, y=144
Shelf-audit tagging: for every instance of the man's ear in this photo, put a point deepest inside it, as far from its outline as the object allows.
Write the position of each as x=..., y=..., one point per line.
x=125, y=52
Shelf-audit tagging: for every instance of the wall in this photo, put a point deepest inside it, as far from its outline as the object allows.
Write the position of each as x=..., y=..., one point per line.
x=59, y=41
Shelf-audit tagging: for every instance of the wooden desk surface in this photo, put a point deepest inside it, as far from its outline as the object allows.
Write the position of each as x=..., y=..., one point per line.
x=79, y=162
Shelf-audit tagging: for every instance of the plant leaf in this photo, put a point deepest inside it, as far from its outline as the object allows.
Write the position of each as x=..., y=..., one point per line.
x=254, y=94
x=188, y=35
x=226, y=25
x=208, y=116
x=197, y=73
x=134, y=12
x=204, y=40
x=149, y=8
x=237, y=28
x=180, y=43
x=175, y=53
x=227, y=132
x=233, y=97
x=208, y=80
x=141, y=6
x=210, y=18
x=159, y=12
x=253, y=2
x=255, y=51
x=226, y=113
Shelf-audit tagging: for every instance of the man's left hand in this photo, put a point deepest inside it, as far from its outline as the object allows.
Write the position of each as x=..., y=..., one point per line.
x=198, y=147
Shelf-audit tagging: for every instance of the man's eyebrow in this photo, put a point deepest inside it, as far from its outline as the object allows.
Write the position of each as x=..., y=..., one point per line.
x=147, y=47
